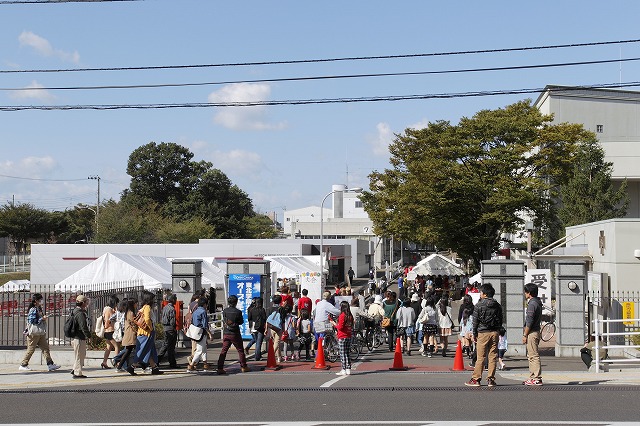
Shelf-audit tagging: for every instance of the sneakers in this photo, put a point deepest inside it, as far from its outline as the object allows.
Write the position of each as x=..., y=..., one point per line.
x=532, y=382
x=206, y=366
x=191, y=369
x=148, y=370
x=341, y=373
x=24, y=368
x=347, y=372
x=423, y=353
x=491, y=383
x=156, y=371
x=53, y=367
x=245, y=369
x=131, y=370
x=472, y=382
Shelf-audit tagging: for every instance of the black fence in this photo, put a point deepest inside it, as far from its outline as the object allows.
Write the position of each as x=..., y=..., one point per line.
x=57, y=305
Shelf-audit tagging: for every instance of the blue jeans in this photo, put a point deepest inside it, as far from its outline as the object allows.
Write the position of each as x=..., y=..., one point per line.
x=257, y=338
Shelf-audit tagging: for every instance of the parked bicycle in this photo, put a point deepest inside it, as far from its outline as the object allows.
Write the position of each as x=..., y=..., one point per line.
x=548, y=328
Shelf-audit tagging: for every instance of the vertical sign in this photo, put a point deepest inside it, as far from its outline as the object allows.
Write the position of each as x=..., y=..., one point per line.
x=541, y=278
x=245, y=287
x=312, y=282
x=628, y=309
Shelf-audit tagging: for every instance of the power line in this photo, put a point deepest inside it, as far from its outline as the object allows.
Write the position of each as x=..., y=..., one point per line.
x=326, y=77
x=44, y=180
x=306, y=101
x=339, y=59
x=60, y=1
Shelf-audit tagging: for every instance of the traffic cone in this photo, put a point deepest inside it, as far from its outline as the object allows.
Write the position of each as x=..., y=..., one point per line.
x=271, y=358
x=320, y=363
x=397, y=358
x=458, y=362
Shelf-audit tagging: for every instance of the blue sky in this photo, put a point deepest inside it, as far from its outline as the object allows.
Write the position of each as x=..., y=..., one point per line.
x=282, y=156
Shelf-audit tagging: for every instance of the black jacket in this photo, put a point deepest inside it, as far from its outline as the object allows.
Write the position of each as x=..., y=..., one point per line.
x=487, y=316
x=82, y=331
x=258, y=316
x=534, y=314
x=231, y=320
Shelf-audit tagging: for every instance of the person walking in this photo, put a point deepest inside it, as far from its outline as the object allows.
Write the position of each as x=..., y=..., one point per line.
x=109, y=327
x=170, y=332
x=80, y=336
x=257, y=317
x=231, y=321
x=445, y=323
x=531, y=334
x=201, y=320
x=351, y=273
x=128, y=338
x=406, y=325
x=146, y=353
x=37, y=334
x=487, y=321
x=427, y=320
x=344, y=328
x=305, y=302
x=390, y=306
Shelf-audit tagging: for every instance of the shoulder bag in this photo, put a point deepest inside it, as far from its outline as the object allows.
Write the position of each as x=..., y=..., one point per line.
x=386, y=321
x=194, y=332
x=37, y=329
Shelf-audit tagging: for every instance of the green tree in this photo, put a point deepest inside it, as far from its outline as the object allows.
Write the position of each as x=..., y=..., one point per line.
x=184, y=232
x=127, y=223
x=259, y=226
x=589, y=195
x=460, y=186
x=24, y=222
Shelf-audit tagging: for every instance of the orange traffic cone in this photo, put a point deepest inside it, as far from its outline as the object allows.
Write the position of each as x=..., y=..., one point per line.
x=397, y=358
x=271, y=358
x=458, y=363
x=320, y=363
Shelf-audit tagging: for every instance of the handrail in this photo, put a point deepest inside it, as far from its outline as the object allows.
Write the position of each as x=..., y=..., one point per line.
x=598, y=334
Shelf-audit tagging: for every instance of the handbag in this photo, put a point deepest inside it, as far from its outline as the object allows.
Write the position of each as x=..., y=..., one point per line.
x=386, y=321
x=140, y=322
x=274, y=320
x=99, y=327
x=194, y=332
x=36, y=329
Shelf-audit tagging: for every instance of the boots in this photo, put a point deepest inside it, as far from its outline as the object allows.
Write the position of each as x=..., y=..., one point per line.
x=444, y=352
x=432, y=349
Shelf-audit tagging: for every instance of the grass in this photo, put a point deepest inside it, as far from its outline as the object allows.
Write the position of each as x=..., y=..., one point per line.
x=4, y=278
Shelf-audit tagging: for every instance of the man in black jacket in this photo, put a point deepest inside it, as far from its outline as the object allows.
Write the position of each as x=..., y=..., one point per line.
x=81, y=334
x=231, y=321
x=170, y=333
x=531, y=334
x=487, y=320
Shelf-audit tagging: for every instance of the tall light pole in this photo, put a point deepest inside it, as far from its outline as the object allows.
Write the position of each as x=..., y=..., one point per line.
x=322, y=257
x=96, y=177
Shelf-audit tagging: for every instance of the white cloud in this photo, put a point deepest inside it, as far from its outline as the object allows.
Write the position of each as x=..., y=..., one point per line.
x=244, y=118
x=381, y=141
x=44, y=48
x=34, y=90
x=239, y=162
x=422, y=124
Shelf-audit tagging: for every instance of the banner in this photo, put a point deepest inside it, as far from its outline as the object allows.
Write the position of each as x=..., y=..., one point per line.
x=541, y=278
x=245, y=287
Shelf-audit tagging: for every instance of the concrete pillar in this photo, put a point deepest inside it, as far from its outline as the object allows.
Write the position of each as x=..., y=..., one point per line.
x=507, y=277
x=571, y=283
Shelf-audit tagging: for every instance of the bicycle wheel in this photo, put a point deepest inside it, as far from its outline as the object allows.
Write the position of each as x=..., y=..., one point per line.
x=354, y=353
x=379, y=338
x=331, y=352
x=369, y=339
x=548, y=331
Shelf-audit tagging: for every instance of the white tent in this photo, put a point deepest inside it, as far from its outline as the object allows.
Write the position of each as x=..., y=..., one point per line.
x=115, y=270
x=293, y=266
x=16, y=285
x=435, y=264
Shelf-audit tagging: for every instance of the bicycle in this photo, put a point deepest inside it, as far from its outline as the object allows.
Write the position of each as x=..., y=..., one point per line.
x=548, y=329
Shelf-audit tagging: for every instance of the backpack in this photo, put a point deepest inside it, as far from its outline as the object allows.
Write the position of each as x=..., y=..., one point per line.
x=187, y=320
x=99, y=327
x=70, y=326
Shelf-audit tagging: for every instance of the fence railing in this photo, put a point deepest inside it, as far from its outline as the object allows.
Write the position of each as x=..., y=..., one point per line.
x=603, y=337
x=57, y=306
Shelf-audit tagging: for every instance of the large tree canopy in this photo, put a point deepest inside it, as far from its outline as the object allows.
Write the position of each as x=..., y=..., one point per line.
x=460, y=186
x=589, y=195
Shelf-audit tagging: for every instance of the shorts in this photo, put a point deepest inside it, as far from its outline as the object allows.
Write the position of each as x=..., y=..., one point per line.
x=445, y=332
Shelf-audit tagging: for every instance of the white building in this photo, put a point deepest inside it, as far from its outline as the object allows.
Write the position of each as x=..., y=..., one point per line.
x=614, y=116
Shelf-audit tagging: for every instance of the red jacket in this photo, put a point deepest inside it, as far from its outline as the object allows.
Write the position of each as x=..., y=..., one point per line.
x=344, y=328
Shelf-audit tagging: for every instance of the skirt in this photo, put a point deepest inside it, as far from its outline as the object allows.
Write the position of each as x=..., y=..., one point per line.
x=445, y=331
x=429, y=329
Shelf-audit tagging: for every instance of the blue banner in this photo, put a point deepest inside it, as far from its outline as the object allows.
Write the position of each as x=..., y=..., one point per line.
x=245, y=287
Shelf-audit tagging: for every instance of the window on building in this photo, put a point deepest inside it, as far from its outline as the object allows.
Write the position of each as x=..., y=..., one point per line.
x=288, y=219
x=358, y=204
x=599, y=128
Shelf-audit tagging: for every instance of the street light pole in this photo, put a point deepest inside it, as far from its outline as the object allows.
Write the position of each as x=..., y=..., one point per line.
x=322, y=258
x=96, y=177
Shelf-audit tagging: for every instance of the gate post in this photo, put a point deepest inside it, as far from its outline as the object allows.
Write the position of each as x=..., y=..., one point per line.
x=507, y=277
x=571, y=283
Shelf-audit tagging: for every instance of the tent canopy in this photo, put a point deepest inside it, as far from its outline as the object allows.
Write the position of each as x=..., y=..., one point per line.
x=16, y=285
x=435, y=264
x=116, y=270
x=293, y=266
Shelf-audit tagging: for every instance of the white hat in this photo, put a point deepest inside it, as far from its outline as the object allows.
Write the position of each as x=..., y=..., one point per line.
x=377, y=299
x=414, y=297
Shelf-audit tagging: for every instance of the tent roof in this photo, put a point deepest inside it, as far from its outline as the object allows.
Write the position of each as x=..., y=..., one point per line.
x=292, y=266
x=116, y=270
x=16, y=285
x=435, y=264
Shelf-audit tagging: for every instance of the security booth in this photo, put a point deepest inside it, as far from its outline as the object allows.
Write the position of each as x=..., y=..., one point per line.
x=247, y=279
x=186, y=279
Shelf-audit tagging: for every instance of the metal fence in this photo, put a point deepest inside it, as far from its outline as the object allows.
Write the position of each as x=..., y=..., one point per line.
x=616, y=311
x=57, y=305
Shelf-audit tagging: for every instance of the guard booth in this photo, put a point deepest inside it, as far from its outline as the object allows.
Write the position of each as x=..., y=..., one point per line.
x=247, y=279
x=186, y=279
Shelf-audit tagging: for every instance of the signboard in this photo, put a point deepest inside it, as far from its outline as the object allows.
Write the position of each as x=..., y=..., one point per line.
x=541, y=278
x=245, y=287
x=312, y=282
x=628, y=309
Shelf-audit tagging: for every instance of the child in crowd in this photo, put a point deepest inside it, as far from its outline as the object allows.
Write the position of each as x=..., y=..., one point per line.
x=502, y=347
x=466, y=332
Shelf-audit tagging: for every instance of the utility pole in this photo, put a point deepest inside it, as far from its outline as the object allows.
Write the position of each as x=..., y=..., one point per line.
x=96, y=177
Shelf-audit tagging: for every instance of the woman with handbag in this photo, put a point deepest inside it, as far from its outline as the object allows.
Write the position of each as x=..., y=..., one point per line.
x=445, y=323
x=129, y=337
x=344, y=328
x=390, y=306
x=112, y=345
x=200, y=319
x=37, y=334
x=146, y=353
